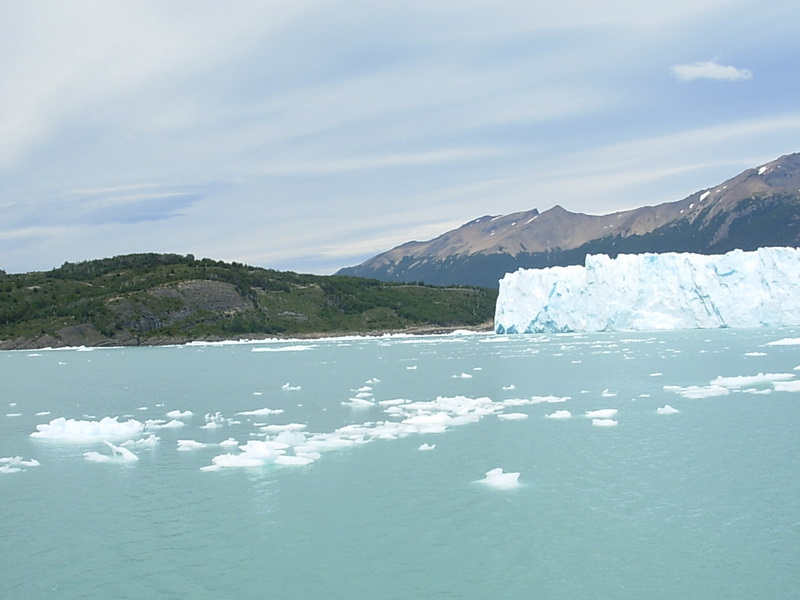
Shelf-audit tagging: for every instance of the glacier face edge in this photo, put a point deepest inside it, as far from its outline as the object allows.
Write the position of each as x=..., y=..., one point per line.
x=642, y=292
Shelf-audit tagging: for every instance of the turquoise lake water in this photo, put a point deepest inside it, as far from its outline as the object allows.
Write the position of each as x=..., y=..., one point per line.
x=700, y=503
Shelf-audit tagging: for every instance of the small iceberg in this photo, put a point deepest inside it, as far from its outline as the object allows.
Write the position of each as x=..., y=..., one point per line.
x=497, y=479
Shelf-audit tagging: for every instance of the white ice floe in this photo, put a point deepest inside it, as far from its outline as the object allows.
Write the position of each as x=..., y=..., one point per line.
x=463, y=376
x=787, y=386
x=279, y=428
x=358, y=403
x=15, y=464
x=186, y=445
x=213, y=420
x=177, y=414
x=290, y=388
x=151, y=441
x=549, y=399
x=750, y=380
x=508, y=388
x=261, y=412
x=425, y=447
x=785, y=342
x=603, y=413
x=512, y=416
x=229, y=443
x=408, y=418
x=666, y=410
x=559, y=414
x=497, y=479
x=107, y=428
x=604, y=422
x=607, y=394
x=755, y=354
x=695, y=392
x=118, y=454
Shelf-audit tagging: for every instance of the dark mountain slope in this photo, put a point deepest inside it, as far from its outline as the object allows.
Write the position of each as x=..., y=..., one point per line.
x=759, y=207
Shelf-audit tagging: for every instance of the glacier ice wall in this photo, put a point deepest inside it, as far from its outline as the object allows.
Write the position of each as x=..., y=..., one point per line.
x=639, y=292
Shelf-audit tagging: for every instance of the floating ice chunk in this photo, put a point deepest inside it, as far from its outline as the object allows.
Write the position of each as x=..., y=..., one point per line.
x=14, y=414
x=147, y=442
x=425, y=447
x=225, y=461
x=373, y=381
x=118, y=454
x=497, y=479
x=695, y=392
x=559, y=414
x=213, y=421
x=748, y=380
x=656, y=374
x=291, y=438
x=785, y=342
x=107, y=428
x=512, y=416
x=549, y=399
x=393, y=402
x=463, y=376
x=358, y=403
x=186, y=445
x=290, y=388
x=604, y=423
x=666, y=410
x=603, y=413
x=177, y=414
x=508, y=388
x=755, y=354
x=14, y=464
x=412, y=368
x=279, y=428
x=261, y=412
x=607, y=394
x=787, y=386
x=229, y=443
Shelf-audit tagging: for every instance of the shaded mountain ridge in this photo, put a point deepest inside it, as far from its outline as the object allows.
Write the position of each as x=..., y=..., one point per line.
x=759, y=207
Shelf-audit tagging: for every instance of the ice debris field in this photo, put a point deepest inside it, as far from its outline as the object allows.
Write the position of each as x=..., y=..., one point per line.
x=272, y=441
x=648, y=292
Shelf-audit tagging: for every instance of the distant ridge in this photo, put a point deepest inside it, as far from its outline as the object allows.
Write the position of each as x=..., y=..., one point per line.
x=757, y=208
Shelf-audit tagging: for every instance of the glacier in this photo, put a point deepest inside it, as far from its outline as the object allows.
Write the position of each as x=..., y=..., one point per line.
x=644, y=292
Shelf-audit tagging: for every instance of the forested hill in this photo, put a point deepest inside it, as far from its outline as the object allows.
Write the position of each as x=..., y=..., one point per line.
x=148, y=299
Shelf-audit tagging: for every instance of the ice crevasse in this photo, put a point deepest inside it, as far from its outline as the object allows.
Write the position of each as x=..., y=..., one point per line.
x=641, y=292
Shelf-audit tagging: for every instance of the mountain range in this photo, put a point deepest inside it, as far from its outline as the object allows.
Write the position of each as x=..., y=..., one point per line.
x=759, y=207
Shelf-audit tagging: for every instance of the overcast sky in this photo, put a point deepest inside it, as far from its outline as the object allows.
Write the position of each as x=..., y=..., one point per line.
x=311, y=135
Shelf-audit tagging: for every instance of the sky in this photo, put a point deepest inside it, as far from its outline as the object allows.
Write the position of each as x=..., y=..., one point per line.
x=311, y=135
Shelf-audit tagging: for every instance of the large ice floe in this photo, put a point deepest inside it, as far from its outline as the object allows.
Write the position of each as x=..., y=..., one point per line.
x=106, y=429
x=640, y=292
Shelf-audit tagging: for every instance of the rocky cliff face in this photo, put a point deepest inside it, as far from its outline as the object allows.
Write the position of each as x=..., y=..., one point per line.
x=759, y=207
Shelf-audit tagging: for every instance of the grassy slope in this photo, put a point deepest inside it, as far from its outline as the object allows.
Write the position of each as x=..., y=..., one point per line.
x=156, y=298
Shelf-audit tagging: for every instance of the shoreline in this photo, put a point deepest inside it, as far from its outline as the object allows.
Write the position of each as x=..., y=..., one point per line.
x=48, y=342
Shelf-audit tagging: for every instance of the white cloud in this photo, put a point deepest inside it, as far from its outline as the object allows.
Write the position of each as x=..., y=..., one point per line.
x=710, y=70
